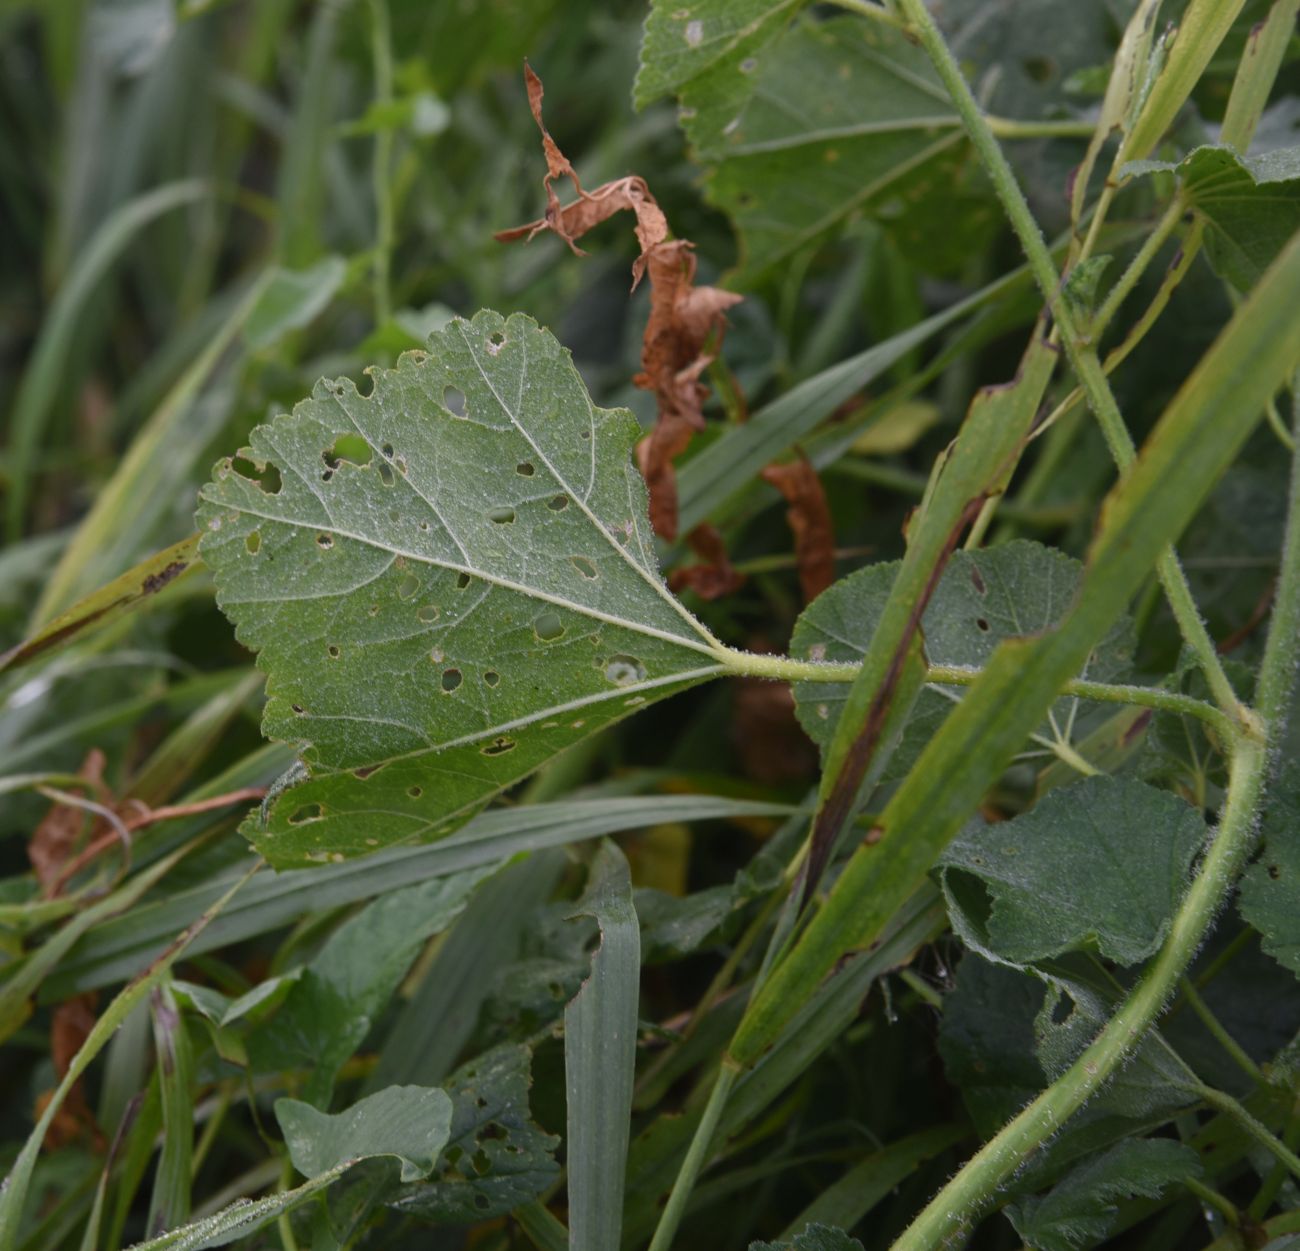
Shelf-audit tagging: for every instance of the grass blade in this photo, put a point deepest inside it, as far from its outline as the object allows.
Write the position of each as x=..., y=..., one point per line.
x=600, y=1027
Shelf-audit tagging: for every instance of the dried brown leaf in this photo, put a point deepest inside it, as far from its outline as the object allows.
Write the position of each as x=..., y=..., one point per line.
x=809, y=516
x=715, y=576
x=53, y=841
x=69, y=1027
x=684, y=321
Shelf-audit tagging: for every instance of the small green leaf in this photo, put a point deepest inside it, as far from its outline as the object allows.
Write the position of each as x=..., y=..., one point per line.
x=497, y=1157
x=1101, y=864
x=1251, y=205
x=409, y=1122
x=331, y=1008
x=984, y=597
x=1270, y=889
x=1080, y=1209
x=443, y=611
x=813, y=1237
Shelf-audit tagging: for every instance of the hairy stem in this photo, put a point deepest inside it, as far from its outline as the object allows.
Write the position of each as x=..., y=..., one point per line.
x=1082, y=356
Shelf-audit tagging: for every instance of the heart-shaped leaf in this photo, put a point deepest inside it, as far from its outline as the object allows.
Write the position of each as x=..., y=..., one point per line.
x=447, y=581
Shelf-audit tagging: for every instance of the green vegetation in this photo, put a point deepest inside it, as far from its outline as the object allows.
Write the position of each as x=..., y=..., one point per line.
x=799, y=756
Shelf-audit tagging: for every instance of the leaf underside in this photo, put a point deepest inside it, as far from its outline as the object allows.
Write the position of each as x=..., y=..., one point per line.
x=447, y=582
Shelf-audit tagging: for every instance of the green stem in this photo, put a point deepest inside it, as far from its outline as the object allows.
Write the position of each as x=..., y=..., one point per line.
x=1147, y=253
x=544, y=1229
x=1082, y=357
x=1263, y=1200
x=786, y=669
x=382, y=58
x=1212, y=1198
x=696, y=1156
x=1220, y=1101
x=1220, y=1034
x=959, y=1202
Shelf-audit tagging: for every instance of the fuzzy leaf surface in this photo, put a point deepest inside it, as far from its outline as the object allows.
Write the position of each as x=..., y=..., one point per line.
x=448, y=581
x=1270, y=889
x=1102, y=863
x=1080, y=1209
x=985, y=596
x=830, y=119
x=1251, y=205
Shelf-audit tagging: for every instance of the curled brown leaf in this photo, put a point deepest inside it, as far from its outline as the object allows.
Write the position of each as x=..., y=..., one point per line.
x=715, y=576
x=55, y=839
x=809, y=516
x=686, y=322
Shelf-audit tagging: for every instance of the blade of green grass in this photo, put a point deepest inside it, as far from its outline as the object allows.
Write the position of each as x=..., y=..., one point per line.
x=600, y=1027
x=13, y=1198
x=117, y=948
x=169, y=1204
x=44, y=373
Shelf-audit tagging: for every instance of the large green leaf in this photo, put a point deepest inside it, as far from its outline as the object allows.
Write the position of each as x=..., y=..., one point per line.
x=1270, y=888
x=1251, y=205
x=985, y=596
x=452, y=580
x=1102, y=863
x=831, y=119
x=1080, y=1209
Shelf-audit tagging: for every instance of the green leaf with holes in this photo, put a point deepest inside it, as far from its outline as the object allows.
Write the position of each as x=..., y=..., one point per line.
x=1270, y=889
x=447, y=581
x=984, y=597
x=1099, y=865
x=803, y=127
x=1250, y=206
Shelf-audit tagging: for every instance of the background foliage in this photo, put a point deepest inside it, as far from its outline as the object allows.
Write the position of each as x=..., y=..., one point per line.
x=479, y=1040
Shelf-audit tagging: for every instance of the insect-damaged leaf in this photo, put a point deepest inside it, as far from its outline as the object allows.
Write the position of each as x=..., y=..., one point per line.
x=1103, y=862
x=448, y=581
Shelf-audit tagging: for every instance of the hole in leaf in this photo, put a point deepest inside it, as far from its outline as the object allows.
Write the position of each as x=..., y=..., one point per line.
x=1274, y=872
x=499, y=747
x=492, y=677
x=386, y=475
x=1062, y=1010
x=548, y=627
x=387, y=450
x=333, y=650
x=400, y=462
x=308, y=812
x=451, y=679
x=428, y=612
x=584, y=434
x=327, y=475
x=410, y=584
x=299, y=709
x=481, y=1201
x=983, y=625
x=415, y=791
x=366, y=770
x=462, y=581
x=502, y=516
x=525, y=469
x=266, y=476
x=453, y=400
x=624, y=670
x=495, y=343
x=558, y=504
x=481, y=1162
x=253, y=542
x=350, y=447
x=1040, y=68
x=324, y=541
x=453, y=1154
x=584, y=567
